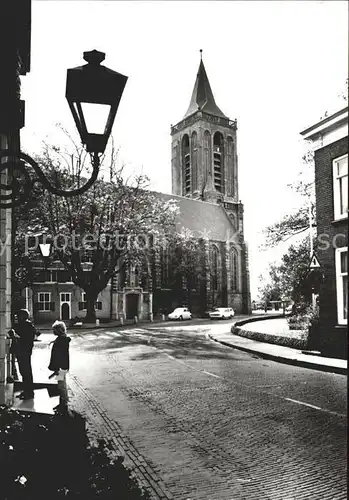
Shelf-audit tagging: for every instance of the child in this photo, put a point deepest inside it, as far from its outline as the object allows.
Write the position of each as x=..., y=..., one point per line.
x=59, y=363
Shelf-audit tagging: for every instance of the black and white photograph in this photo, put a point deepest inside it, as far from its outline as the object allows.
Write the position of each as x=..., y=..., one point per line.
x=173, y=249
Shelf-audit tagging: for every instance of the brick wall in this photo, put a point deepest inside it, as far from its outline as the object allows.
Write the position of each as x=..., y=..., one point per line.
x=327, y=229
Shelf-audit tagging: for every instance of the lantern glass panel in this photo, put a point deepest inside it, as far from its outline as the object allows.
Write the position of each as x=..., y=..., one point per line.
x=96, y=117
x=45, y=249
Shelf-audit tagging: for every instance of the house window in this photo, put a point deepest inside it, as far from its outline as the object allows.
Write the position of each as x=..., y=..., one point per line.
x=44, y=301
x=342, y=284
x=340, y=187
x=65, y=297
x=83, y=303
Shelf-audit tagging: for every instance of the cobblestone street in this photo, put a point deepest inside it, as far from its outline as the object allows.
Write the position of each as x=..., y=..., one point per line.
x=199, y=421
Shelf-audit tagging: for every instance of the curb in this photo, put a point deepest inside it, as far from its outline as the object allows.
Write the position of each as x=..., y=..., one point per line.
x=288, y=361
x=101, y=326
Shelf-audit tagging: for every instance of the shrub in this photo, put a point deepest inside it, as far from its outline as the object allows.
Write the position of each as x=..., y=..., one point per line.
x=298, y=342
x=50, y=457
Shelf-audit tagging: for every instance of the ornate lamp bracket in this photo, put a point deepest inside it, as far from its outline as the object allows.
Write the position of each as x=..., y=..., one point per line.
x=19, y=172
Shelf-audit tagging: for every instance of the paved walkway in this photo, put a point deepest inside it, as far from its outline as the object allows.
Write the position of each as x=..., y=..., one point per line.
x=281, y=354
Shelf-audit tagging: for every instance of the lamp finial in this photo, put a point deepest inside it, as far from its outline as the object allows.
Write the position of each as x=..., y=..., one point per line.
x=94, y=56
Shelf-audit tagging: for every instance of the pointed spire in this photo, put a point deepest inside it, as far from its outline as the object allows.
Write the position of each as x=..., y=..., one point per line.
x=202, y=96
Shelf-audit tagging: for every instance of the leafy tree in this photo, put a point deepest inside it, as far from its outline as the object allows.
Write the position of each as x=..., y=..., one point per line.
x=188, y=264
x=298, y=221
x=95, y=234
x=288, y=279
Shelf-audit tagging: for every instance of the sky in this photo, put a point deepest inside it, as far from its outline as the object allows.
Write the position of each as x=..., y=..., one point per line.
x=275, y=66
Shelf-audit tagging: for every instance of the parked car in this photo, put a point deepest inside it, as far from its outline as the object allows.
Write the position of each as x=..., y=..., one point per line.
x=180, y=313
x=208, y=312
x=222, y=313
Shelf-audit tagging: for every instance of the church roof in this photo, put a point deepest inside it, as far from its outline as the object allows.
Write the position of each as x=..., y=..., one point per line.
x=204, y=219
x=202, y=96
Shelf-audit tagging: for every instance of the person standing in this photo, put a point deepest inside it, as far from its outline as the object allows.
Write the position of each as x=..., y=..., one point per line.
x=59, y=363
x=25, y=334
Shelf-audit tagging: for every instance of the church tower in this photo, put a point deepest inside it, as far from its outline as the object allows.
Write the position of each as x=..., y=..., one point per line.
x=205, y=168
x=204, y=152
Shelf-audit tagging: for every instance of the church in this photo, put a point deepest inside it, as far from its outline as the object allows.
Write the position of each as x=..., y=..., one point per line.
x=205, y=187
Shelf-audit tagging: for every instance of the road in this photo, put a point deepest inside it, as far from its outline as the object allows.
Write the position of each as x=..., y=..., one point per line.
x=210, y=422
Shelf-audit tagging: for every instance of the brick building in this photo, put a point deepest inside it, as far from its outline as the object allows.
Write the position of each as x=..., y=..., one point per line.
x=14, y=62
x=329, y=139
x=205, y=187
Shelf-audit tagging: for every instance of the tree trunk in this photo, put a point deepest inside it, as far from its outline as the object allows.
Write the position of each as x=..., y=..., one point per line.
x=90, y=308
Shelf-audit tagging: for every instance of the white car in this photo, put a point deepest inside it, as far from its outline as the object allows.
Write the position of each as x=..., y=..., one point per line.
x=180, y=313
x=222, y=313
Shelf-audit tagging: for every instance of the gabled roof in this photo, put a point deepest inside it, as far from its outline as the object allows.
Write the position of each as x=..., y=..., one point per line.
x=330, y=122
x=202, y=96
x=201, y=217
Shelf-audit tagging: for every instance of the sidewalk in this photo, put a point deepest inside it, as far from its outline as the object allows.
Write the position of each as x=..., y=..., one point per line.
x=282, y=354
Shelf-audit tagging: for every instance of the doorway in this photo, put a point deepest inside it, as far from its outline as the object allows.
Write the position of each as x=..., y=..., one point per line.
x=65, y=306
x=131, y=305
x=65, y=311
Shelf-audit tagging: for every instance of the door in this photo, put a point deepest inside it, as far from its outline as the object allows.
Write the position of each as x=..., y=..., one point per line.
x=65, y=311
x=131, y=305
x=65, y=306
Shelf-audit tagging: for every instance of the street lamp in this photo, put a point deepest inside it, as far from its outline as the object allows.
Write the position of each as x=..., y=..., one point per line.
x=91, y=85
x=45, y=250
x=93, y=91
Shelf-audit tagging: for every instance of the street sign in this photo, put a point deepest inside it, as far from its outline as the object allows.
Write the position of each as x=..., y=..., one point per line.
x=314, y=262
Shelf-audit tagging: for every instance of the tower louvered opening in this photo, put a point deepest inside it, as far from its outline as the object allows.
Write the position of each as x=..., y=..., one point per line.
x=218, y=161
x=186, y=164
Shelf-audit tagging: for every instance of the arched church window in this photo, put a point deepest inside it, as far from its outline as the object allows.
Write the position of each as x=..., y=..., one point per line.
x=186, y=164
x=214, y=257
x=144, y=279
x=137, y=276
x=165, y=266
x=218, y=161
x=234, y=269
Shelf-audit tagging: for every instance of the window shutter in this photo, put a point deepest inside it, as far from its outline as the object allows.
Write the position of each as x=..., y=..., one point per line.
x=99, y=305
x=81, y=306
x=52, y=306
x=36, y=306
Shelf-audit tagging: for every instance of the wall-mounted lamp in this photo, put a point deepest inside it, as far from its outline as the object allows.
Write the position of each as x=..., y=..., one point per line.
x=88, y=88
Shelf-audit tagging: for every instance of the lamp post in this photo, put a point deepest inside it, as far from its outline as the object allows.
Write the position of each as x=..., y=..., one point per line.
x=89, y=85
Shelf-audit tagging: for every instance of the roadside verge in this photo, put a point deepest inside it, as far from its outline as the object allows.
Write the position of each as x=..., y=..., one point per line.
x=279, y=353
